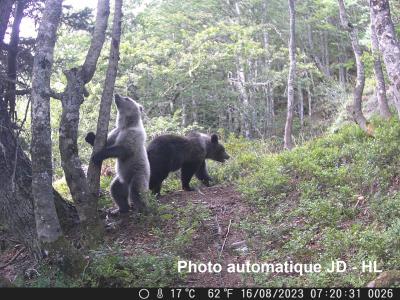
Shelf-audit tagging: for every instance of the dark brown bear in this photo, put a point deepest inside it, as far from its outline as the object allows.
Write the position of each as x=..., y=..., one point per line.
x=168, y=153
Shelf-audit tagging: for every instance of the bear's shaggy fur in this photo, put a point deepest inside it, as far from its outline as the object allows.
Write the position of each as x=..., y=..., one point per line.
x=168, y=153
x=126, y=142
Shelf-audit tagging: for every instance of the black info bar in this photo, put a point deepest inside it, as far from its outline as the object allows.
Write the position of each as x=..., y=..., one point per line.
x=267, y=293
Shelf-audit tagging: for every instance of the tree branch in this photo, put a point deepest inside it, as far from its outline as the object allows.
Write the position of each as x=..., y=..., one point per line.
x=99, y=35
x=106, y=98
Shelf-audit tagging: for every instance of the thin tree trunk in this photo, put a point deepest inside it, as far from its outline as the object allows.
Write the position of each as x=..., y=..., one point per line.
x=312, y=53
x=240, y=86
x=288, y=142
x=301, y=104
x=309, y=96
x=388, y=44
x=326, y=53
x=359, y=88
x=12, y=58
x=184, y=113
x=244, y=98
x=5, y=12
x=342, y=61
x=48, y=227
x=380, y=78
x=194, y=109
x=72, y=98
x=103, y=121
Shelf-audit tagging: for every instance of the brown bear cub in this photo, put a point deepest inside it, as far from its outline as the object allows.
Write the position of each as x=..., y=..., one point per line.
x=168, y=153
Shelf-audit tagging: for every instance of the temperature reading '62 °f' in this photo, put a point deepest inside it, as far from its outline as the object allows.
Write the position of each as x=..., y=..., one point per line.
x=216, y=293
x=183, y=293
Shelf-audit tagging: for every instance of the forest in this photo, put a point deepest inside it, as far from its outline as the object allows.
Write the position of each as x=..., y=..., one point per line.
x=284, y=112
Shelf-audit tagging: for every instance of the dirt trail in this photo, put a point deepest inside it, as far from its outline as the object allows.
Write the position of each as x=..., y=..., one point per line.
x=218, y=240
x=213, y=242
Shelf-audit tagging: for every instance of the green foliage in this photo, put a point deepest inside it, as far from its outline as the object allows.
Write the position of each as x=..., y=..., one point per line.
x=169, y=125
x=190, y=219
x=115, y=270
x=341, y=189
x=110, y=268
x=61, y=187
x=244, y=157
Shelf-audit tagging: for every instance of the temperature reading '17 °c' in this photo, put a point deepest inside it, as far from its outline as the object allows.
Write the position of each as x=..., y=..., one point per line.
x=183, y=293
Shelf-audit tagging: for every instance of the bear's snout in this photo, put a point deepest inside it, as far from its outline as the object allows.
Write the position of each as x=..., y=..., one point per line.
x=224, y=158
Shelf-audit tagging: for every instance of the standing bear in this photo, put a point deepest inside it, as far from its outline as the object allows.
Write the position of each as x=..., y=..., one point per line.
x=168, y=153
x=126, y=142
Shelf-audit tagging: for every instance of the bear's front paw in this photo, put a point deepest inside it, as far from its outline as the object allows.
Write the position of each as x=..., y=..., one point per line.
x=206, y=182
x=90, y=137
x=188, y=189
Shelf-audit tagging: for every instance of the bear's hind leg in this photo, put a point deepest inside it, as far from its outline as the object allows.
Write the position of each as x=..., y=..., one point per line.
x=156, y=181
x=119, y=192
x=137, y=199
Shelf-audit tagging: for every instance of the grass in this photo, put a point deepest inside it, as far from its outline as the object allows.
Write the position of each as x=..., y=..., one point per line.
x=335, y=197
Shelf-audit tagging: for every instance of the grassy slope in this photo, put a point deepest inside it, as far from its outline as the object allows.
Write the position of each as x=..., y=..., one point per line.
x=337, y=197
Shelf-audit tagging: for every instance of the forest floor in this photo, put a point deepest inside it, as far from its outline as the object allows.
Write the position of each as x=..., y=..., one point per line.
x=216, y=239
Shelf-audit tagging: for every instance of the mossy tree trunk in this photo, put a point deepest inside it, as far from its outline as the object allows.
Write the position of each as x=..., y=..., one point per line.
x=84, y=189
x=49, y=232
x=380, y=78
x=16, y=200
x=360, y=82
x=388, y=44
x=72, y=98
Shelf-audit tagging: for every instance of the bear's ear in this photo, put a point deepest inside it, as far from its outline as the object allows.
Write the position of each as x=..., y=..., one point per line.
x=214, y=139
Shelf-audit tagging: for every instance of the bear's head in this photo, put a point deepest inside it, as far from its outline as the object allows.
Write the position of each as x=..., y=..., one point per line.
x=215, y=150
x=129, y=111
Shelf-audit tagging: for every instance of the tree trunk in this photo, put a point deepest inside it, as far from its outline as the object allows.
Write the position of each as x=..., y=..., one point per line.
x=309, y=96
x=240, y=86
x=16, y=202
x=388, y=44
x=106, y=100
x=244, y=98
x=48, y=227
x=72, y=98
x=326, y=53
x=342, y=61
x=301, y=105
x=194, y=110
x=380, y=78
x=5, y=12
x=288, y=142
x=359, y=88
x=12, y=58
x=312, y=53
x=16, y=211
x=47, y=224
